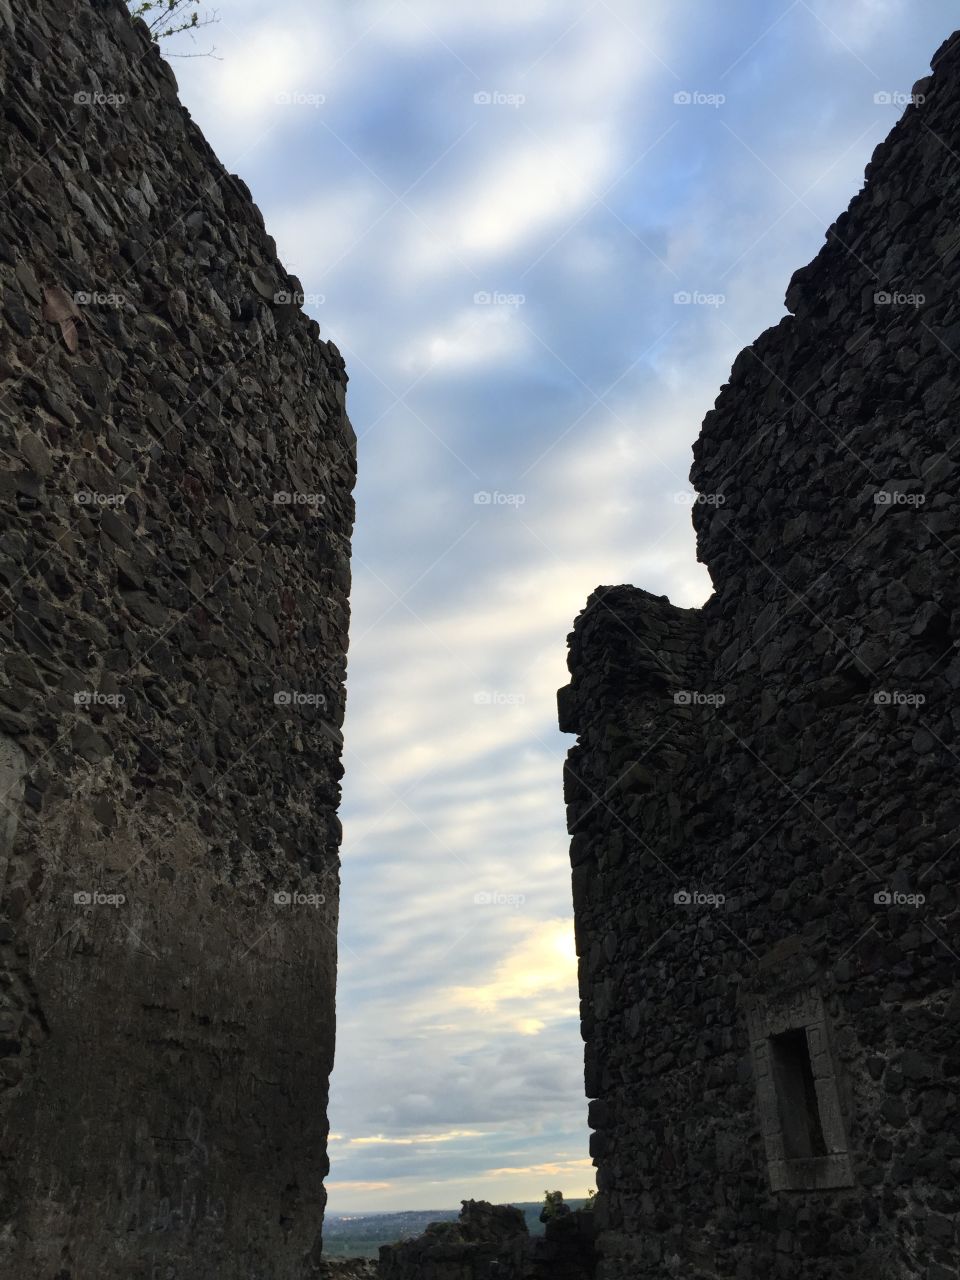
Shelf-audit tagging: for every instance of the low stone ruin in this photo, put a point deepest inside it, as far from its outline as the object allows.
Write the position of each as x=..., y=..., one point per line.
x=491, y=1242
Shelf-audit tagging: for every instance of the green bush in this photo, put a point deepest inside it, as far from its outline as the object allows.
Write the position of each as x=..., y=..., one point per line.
x=553, y=1206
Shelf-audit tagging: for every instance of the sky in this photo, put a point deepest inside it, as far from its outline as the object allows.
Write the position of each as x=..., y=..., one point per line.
x=539, y=232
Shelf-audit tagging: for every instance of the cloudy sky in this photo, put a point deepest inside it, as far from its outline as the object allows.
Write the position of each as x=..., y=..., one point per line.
x=539, y=231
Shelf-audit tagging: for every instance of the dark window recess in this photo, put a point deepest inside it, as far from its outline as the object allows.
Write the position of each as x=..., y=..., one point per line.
x=799, y=1110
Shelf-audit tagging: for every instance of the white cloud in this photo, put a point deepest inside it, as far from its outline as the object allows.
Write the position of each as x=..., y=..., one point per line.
x=427, y=22
x=541, y=966
x=857, y=24
x=488, y=333
x=532, y=186
x=317, y=235
x=414, y=1140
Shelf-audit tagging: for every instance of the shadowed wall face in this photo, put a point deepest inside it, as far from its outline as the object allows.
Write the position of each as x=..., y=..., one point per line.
x=175, y=495
x=763, y=797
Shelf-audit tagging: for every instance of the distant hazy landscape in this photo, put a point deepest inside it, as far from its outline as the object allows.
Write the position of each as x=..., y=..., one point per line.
x=360, y=1235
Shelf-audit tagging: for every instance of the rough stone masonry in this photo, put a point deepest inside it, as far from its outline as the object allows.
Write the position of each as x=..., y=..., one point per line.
x=764, y=801
x=176, y=469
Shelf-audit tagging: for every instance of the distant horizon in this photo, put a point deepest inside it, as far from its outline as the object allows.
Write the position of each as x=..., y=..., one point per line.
x=385, y=1213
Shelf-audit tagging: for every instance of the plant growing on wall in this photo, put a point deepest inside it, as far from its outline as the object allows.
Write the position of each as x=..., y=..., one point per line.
x=553, y=1206
x=170, y=17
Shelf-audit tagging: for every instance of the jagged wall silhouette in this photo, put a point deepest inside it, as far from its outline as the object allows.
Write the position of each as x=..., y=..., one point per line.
x=763, y=799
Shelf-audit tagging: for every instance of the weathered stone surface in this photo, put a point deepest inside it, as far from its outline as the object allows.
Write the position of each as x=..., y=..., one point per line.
x=490, y=1241
x=347, y=1269
x=172, y=657
x=762, y=799
x=485, y=1240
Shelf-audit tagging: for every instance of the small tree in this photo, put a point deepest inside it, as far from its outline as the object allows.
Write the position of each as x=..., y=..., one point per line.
x=170, y=17
x=553, y=1206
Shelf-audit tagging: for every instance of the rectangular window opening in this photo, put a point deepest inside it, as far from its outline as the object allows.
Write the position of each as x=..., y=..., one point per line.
x=796, y=1091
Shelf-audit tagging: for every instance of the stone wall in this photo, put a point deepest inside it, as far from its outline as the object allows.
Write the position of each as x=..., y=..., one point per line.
x=490, y=1242
x=176, y=470
x=763, y=799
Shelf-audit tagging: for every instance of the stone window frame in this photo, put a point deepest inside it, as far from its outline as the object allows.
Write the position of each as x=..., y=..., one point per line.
x=774, y=1015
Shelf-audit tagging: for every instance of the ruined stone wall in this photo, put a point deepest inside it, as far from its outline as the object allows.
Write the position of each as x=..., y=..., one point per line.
x=492, y=1241
x=763, y=801
x=176, y=470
